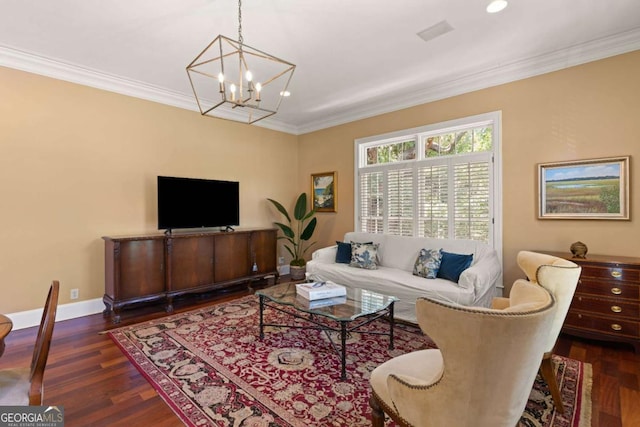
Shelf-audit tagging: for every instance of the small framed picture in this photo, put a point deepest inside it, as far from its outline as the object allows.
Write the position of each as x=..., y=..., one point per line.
x=324, y=190
x=584, y=189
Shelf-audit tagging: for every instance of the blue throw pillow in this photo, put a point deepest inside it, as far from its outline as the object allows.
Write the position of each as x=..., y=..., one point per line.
x=452, y=265
x=343, y=255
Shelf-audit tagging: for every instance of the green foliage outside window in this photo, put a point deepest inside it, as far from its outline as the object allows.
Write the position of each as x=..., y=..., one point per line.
x=462, y=142
x=390, y=153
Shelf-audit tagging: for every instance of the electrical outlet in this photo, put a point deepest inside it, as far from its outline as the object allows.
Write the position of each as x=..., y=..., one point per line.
x=281, y=260
x=74, y=293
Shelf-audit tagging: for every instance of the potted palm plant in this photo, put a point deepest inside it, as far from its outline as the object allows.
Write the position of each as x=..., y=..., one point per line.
x=297, y=233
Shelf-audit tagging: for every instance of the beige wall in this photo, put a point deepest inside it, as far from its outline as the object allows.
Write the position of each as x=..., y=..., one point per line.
x=584, y=112
x=78, y=163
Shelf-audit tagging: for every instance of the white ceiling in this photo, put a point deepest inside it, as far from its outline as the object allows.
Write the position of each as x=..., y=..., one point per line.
x=355, y=58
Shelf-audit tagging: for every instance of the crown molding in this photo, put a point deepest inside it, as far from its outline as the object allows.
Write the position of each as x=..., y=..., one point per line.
x=575, y=55
x=617, y=44
x=32, y=63
x=73, y=73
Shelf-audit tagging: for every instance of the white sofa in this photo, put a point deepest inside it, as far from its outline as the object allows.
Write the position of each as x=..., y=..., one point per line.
x=394, y=276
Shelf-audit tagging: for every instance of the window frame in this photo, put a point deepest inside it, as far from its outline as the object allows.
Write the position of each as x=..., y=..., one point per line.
x=419, y=134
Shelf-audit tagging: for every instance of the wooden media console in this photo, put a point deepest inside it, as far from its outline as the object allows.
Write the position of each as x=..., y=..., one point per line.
x=147, y=268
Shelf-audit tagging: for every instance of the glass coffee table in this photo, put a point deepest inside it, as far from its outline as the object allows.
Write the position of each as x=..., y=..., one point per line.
x=350, y=314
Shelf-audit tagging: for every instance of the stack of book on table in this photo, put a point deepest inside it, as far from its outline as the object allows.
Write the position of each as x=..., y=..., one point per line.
x=320, y=290
x=324, y=302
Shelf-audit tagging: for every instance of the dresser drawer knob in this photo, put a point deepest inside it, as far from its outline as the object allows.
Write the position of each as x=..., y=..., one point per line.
x=616, y=291
x=616, y=327
x=616, y=309
x=616, y=274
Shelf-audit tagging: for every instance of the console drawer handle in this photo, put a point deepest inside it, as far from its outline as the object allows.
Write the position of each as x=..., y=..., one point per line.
x=616, y=309
x=616, y=274
x=616, y=291
x=616, y=327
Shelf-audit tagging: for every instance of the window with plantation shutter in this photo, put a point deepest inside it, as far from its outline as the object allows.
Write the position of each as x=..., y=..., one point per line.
x=400, y=216
x=471, y=201
x=371, y=202
x=433, y=201
x=436, y=181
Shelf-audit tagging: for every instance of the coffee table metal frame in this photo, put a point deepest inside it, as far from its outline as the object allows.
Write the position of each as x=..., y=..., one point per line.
x=346, y=324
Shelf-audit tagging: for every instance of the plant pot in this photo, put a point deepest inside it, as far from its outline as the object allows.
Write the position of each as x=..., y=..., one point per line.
x=296, y=272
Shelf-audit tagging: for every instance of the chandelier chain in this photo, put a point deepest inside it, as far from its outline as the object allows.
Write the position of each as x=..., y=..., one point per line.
x=240, y=22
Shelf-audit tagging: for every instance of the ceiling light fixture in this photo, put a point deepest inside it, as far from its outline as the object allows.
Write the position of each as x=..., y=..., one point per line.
x=249, y=83
x=496, y=6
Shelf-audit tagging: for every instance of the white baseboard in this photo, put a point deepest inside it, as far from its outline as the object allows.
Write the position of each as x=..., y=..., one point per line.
x=29, y=318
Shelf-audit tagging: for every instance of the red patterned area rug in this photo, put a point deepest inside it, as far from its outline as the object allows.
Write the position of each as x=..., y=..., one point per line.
x=211, y=368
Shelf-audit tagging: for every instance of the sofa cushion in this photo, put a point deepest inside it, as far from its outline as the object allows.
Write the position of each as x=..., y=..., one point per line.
x=400, y=251
x=428, y=263
x=452, y=265
x=364, y=255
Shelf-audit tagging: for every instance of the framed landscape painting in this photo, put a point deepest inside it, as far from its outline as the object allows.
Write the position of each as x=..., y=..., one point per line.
x=324, y=190
x=585, y=189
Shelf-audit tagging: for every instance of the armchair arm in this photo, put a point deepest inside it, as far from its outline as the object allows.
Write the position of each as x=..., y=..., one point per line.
x=523, y=294
x=500, y=303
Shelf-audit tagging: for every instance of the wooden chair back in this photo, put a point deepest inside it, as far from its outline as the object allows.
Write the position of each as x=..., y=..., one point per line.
x=42, y=345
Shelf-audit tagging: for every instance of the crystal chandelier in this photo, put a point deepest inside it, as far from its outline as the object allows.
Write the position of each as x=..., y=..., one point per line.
x=233, y=81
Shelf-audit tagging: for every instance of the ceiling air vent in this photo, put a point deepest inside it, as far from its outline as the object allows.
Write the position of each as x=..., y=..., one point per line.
x=434, y=31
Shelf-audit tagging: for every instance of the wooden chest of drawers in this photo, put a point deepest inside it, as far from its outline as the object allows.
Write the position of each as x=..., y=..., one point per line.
x=606, y=304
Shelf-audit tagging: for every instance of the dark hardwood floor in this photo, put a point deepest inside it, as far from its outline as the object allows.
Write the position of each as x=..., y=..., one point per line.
x=97, y=386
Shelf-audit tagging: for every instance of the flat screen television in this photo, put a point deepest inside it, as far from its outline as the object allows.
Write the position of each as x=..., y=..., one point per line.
x=196, y=203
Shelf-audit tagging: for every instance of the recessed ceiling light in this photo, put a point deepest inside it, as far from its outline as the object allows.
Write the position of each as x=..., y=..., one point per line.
x=285, y=93
x=496, y=6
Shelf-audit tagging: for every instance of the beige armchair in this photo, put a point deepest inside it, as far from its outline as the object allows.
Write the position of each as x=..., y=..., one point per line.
x=482, y=372
x=559, y=277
